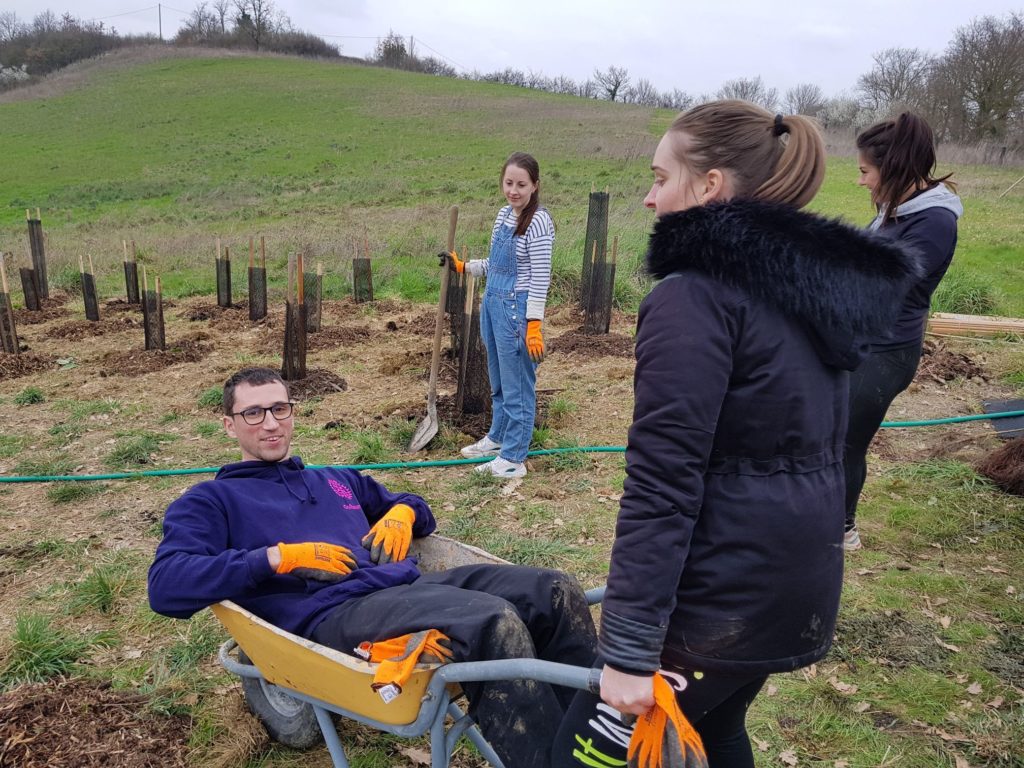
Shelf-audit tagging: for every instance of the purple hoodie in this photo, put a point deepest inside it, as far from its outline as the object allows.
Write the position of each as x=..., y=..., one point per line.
x=217, y=533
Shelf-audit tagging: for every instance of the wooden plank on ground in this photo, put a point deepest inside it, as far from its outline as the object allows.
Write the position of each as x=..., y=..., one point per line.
x=979, y=325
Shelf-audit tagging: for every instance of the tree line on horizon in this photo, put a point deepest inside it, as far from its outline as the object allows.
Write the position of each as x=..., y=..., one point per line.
x=972, y=92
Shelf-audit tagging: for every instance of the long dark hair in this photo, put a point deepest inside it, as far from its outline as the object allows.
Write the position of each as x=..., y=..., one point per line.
x=532, y=168
x=903, y=151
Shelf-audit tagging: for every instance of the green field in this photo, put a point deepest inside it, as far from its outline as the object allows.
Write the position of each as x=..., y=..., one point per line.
x=320, y=156
x=926, y=669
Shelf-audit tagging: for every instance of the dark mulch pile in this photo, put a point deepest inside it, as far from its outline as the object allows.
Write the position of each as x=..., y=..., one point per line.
x=44, y=315
x=336, y=336
x=1005, y=467
x=318, y=381
x=233, y=318
x=80, y=329
x=13, y=366
x=578, y=344
x=79, y=724
x=421, y=325
x=122, y=305
x=940, y=365
x=138, y=361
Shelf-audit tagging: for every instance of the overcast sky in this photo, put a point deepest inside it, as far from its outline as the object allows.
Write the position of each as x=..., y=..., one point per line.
x=672, y=43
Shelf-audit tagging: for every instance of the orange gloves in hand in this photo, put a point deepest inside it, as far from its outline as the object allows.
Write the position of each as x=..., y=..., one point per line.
x=534, y=340
x=389, y=538
x=316, y=560
x=398, y=656
x=454, y=262
x=663, y=737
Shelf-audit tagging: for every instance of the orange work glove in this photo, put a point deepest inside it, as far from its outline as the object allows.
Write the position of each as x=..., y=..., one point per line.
x=663, y=737
x=389, y=538
x=534, y=340
x=453, y=259
x=316, y=560
x=398, y=656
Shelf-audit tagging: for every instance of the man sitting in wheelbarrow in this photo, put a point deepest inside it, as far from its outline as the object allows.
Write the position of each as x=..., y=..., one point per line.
x=322, y=553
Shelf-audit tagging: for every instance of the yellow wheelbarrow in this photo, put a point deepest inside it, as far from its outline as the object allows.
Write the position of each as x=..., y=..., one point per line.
x=294, y=685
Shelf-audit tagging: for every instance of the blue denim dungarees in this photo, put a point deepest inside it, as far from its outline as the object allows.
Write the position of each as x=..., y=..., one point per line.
x=512, y=374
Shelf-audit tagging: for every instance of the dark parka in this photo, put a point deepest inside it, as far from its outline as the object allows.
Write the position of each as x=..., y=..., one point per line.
x=728, y=551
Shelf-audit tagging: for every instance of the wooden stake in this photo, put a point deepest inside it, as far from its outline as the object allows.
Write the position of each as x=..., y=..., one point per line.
x=3, y=274
x=133, y=251
x=263, y=252
x=92, y=271
x=301, y=282
x=124, y=244
x=252, y=253
x=615, y=248
x=38, y=217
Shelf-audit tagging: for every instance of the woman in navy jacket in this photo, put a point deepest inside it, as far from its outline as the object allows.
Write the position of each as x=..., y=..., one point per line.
x=915, y=209
x=727, y=563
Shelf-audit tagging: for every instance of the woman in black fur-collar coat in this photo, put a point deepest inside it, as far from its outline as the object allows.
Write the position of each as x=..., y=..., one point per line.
x=728, y=561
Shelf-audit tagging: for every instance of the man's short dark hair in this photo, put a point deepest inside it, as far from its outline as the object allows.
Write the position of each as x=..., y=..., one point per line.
x=254, y=377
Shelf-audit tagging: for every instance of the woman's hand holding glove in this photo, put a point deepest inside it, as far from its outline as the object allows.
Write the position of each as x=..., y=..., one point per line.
x=454, y=262
x=534, y=340
x=389, y=538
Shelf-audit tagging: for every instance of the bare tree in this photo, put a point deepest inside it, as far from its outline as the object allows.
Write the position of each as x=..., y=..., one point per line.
x=804, y=99
x=750, y=89
x=897, y=79
x=10, y=27
x=612, y=82
x=643, y=93
x=221, y=8
x=390, y=51
x=255, y=18
x=985, y=65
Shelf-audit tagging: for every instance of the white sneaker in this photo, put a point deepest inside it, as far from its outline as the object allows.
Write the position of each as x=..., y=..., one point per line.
x=502, y=468
x=851, y=540
x=482, y=447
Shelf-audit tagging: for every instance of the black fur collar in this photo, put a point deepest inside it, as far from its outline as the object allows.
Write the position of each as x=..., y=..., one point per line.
x=827, y=274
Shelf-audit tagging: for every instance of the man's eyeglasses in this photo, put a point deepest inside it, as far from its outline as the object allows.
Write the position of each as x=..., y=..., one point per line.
x=257, y=414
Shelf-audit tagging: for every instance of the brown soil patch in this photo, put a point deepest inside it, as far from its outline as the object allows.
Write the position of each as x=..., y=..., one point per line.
x=136, y=362
x=233, y=318
x=337, y=336
x=317, y=382
x=888, y=638
x=98, y=726
x=578, y=344
x=13, y=366
x=80, y=329
x=420, y=325
x=940, y=364
x=34, y=317
x=122, y=305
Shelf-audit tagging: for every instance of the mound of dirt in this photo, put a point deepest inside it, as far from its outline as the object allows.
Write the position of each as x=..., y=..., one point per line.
x=317, y=382
x=81, y=329
x=940, y=365
x=580, y=345
x=1005, y=467
x=336, y=336
x=13, y=366
x=35, y=317
x=135, y=362
x=80, y=724
x=889, y=639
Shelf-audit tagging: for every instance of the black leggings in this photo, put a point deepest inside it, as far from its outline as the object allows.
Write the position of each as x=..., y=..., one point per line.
x=873, y=387
x=593, y=734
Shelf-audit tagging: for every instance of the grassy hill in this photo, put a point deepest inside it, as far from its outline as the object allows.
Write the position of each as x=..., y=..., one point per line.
x=172, y=152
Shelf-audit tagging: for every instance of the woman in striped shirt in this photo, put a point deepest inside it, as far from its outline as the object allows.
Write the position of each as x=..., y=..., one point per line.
x=518, y=270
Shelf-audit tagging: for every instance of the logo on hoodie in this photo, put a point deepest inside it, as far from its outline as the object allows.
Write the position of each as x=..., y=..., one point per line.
x=344, y=492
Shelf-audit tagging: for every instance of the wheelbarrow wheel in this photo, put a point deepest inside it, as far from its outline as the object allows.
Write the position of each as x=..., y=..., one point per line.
x=288, y=721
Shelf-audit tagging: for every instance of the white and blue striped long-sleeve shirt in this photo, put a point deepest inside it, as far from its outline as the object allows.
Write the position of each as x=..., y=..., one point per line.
x=533, y=258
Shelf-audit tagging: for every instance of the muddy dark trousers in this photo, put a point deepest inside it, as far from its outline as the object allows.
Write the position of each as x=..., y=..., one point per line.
x=489, y=612
x=594, y=735
x=873, y=387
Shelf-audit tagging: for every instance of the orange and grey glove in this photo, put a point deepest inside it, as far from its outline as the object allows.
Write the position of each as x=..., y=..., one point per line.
x=398, y=656
x=534, y=340
x=663, y=737
x=454, y=262
x=389, y=538
x=316, y=560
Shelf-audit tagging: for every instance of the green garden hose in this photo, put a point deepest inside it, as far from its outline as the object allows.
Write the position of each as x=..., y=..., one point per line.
x=446, y=462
